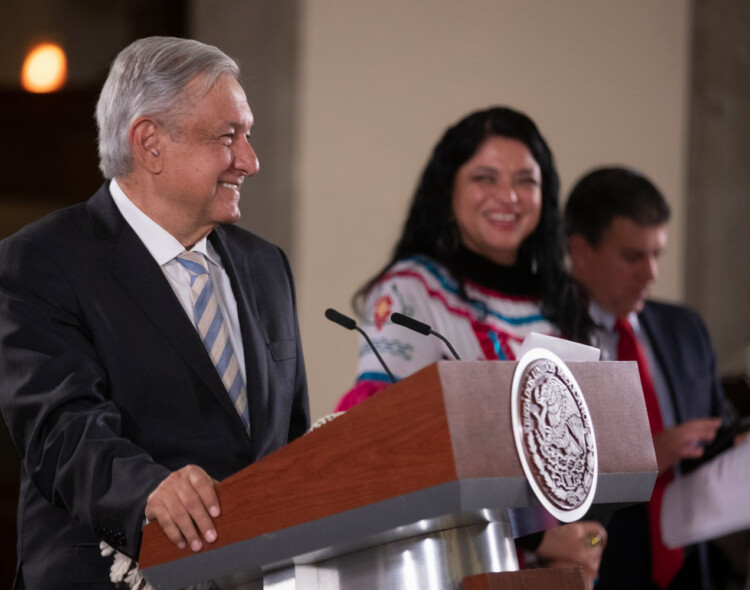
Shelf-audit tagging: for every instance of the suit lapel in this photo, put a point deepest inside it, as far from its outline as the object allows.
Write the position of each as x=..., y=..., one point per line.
x=237, y=268
x=662, y=348
x=143, y=280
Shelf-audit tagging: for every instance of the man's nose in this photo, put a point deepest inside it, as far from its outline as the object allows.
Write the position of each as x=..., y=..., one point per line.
x=245, y=159
x=651, y=268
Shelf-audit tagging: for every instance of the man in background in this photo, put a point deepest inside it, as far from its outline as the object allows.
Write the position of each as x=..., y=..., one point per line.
x=148, y=347
x=616, y=225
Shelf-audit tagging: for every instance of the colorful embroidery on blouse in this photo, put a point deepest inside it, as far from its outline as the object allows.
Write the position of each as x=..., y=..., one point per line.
x=384, y=346
x=382, y=310
x=481, y=324
x=450, y=286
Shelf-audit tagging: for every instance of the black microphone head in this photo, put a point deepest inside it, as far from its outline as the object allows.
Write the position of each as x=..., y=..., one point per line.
x=411, y=323
x=340, y=319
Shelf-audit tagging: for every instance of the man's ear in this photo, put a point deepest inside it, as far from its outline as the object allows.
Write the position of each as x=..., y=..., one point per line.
x=579, y=250
x=145, y=143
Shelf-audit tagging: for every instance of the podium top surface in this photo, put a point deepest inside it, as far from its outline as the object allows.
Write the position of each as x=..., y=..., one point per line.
x=434, y=446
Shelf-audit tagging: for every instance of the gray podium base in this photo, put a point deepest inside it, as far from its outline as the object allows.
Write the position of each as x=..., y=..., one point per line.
x=434, y=561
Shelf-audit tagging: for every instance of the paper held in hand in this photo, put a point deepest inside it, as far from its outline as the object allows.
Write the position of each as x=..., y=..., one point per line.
x=710, y=502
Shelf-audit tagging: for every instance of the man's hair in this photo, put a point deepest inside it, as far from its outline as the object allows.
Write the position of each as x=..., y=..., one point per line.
x=606, y=193
x=149, y=78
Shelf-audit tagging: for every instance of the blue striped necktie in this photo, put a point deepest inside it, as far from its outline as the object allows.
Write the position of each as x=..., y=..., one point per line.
x=213, y=331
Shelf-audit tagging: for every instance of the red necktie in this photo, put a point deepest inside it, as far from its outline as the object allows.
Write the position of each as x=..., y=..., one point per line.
x=665, y=563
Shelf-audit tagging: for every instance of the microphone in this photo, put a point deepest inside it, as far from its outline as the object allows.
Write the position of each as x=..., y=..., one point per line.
x=348, y=323
x=421, y=328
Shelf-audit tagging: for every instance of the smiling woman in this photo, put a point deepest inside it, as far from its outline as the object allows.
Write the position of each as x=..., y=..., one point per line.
x=497, y=199
x=480, y=260
x=480, y=256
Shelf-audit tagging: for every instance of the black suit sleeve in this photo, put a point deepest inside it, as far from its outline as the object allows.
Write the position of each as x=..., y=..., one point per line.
x=53, y=395
x=683, y=349
x=719, y=406
x=300, y=414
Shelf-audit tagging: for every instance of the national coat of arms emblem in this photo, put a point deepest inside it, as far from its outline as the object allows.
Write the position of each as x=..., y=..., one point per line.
x=554, y=435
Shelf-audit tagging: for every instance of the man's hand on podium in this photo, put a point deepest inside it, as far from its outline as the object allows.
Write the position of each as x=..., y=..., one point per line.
x=686, y=441
x=182, y=501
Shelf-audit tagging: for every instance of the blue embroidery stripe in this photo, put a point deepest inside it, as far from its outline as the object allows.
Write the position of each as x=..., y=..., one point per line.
x=496, y=346
x=451, y=286
x=374, y=376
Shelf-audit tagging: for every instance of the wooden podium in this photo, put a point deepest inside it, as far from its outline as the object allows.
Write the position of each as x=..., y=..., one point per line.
x=419, y=486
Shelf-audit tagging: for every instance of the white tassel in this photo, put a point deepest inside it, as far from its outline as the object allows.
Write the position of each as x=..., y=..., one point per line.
x=324, y=420
x=124, y=569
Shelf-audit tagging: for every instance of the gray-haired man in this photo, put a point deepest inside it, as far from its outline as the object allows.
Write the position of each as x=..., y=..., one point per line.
x=149, y=347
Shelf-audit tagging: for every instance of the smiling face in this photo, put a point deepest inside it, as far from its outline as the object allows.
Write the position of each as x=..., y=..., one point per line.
x=497, y=199
x=619, y=272
x=204, y=161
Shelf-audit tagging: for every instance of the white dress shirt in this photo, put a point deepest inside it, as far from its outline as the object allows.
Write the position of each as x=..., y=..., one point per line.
x=165, y=248
x=606, y=339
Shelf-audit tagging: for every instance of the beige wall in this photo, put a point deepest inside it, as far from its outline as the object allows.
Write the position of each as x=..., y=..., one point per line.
x=360, y=91
x=719, y=179
x=605, y=81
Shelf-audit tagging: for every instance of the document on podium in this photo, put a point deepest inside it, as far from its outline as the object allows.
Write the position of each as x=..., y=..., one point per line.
x=710, y=502
x=566, y=350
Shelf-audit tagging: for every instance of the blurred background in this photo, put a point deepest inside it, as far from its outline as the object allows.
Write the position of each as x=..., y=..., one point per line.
x=349, y=98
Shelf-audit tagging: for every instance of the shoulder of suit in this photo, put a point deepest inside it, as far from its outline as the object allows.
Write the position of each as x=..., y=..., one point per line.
x=58, y=223
x=50, y=228
x=663, y=310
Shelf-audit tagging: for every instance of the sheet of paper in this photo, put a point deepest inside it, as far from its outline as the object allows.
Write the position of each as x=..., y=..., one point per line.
x=565, y=349
x=712, y=501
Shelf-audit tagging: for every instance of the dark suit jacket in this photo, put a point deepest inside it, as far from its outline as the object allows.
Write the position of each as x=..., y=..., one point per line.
x=106, y=387
x=683, y=349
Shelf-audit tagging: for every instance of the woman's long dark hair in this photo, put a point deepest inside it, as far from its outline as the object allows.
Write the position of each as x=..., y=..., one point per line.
x=431, y=230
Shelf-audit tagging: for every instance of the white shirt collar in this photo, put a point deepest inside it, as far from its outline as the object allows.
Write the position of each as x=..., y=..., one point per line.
x=606, y=320
x=162, y=245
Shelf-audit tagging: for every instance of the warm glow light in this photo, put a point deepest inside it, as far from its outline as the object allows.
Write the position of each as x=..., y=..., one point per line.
x=45, y=69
